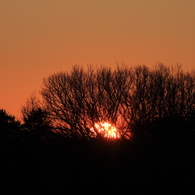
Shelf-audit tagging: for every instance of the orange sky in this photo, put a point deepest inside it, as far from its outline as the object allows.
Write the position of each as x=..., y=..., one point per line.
x=41, y=37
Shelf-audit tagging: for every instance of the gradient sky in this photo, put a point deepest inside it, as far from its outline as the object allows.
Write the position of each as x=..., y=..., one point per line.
x=41, y=37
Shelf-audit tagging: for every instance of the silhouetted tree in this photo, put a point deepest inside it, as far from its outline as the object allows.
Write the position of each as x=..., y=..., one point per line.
x=36, y=124
x=163, y=92
x=78, y=100
x=9, y=127
x=130, y=98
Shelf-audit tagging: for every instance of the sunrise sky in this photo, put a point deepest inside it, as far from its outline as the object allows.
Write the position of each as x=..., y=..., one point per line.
x=41, y=37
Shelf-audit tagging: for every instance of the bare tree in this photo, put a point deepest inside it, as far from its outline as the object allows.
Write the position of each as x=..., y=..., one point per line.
x=79, y=100
x=131, y=99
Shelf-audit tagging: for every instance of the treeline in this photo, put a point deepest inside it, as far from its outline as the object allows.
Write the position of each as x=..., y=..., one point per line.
x=137, y=100
x=141, y=102
x=56, y=144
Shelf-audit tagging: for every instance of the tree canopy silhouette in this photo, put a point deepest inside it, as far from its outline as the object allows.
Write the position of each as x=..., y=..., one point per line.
x=78, y=100
x=36, y=123
x=153, y=110
x=9, y=127
x=131, y=99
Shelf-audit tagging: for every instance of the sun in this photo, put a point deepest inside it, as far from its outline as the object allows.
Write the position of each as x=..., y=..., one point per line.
x=106, y=129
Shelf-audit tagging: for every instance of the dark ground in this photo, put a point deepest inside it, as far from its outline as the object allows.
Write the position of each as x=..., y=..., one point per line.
x=120, y=167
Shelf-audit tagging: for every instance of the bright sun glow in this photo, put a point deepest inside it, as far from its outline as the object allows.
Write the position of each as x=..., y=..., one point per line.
x=106, y=129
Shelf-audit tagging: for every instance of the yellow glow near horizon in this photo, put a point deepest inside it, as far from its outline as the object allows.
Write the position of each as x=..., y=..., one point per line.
x=107, y=130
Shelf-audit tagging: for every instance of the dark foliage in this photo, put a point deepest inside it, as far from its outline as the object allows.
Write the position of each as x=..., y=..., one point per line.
x=36, y=126
x=56, y=151
x=9, y=127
